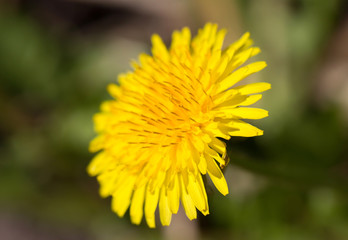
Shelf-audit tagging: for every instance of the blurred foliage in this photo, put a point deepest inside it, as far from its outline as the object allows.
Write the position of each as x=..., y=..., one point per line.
x=309, y=151
x=52, y=84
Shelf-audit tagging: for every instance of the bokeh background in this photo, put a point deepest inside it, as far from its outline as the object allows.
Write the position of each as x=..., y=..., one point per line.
x=56, y=58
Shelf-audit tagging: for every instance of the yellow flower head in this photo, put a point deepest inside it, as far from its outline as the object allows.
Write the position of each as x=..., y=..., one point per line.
x=162, y=131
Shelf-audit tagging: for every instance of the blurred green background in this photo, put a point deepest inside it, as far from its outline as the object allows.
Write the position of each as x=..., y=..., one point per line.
x=56, y=58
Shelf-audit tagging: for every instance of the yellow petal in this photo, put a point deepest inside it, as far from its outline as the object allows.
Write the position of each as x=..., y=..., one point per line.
x=197, y=193
x=164, y=210
x=219, y=40
x=181, y=39
x=98, y=163
x=218, y=145
x=114, y=90
x=136, y=209
x=186, y=201
x=244, y=129
x=240, y=42
x=204, y=193
x=121, y=198
x=174, y=196
x=253, y=88
x=221, y=66
x=202, y=166
x=212, y=167
x=101, y=121
x=97, y=143
x=216, y=175
x=240, y=74
x=233, y=101
x=194, y=153
x=198, y=143
x=214, y=155
x=243, y=55
x=239, y=58
x=251, y=100
x=150, y=206
x=220, y=184
x=159, y=49
x=237, y=100
x=108, y=181
x=242, y=112
x=214, y=129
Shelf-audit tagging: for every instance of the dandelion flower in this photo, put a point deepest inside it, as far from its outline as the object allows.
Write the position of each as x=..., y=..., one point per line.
x=162, y=131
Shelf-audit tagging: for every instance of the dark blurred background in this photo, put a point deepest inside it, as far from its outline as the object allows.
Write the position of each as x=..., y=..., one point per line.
x=56, y=58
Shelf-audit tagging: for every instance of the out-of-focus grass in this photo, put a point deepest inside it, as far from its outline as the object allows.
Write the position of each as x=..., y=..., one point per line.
x=51, y=85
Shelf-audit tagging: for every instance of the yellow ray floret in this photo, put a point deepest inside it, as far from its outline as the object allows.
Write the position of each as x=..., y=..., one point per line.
x=161, y=133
